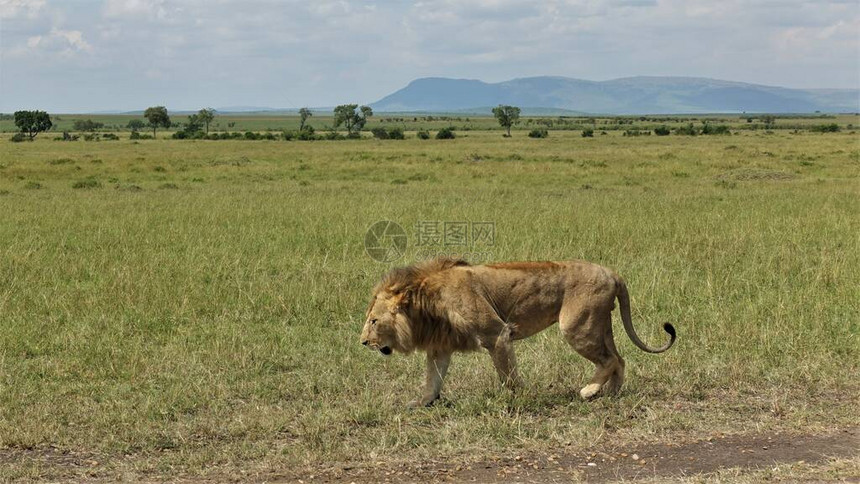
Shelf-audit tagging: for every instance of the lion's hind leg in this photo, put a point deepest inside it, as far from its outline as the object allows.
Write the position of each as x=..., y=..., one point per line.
x=589, y=332
x=501, y=350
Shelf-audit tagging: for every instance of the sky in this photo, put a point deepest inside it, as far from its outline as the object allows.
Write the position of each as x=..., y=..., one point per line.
x=89, y=56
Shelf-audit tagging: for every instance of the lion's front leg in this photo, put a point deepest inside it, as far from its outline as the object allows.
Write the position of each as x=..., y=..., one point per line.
x=437, y=367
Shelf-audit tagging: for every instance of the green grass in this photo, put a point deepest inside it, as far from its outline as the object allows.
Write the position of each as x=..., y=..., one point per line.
x=195, y=309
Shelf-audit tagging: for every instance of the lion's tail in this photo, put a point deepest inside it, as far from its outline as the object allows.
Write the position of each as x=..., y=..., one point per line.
x=624, y=303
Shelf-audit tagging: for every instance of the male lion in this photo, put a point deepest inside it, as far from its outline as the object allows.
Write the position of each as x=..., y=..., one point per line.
x=446, y=305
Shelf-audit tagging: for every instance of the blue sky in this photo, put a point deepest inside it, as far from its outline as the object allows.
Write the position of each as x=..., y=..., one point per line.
x=83, y=56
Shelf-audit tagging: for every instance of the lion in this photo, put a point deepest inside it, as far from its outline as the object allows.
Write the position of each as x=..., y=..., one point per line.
x=447, y=305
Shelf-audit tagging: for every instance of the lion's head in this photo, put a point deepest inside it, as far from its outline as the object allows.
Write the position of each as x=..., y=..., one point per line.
x=398, y=316
x=386, y=326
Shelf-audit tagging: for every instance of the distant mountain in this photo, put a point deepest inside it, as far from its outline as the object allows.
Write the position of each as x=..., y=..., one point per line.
x=246, y=110
x=630, y=95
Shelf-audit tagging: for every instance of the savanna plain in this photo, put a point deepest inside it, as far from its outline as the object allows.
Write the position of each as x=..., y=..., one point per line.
x=191, y=309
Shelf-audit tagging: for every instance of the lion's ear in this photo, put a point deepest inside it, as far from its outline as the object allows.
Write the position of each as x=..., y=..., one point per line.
x=402, y=300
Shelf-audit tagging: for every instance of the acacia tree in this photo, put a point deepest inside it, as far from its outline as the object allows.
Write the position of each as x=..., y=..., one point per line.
x=507, y=116
x=157, y=116
x=32, y=123
x=193, y=124
x=352, y=120
x=304, y=114
x=205, y=116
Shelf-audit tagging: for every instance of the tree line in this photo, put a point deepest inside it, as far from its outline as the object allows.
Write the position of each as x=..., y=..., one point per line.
x=354, y=118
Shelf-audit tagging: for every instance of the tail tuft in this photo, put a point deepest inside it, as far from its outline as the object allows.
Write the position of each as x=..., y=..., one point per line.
x=671, y=330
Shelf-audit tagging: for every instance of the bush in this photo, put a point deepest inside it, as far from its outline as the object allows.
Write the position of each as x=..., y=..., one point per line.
x=588, y=133
x=307, y=134
x=825, y=128
x=186, y=134
x=445, y=133
x=636, y=132
x=87, y=184
x=69, y=137
x=333, y=136
x=19, y=137
x=91, y=137
x=134, y=135
x=662, y=131
x=250, y=135
x=379, y=133
x=396, y=133
x=423, y=134
x=688, y=130
x=707, y=128
x=110, y=137
x=87, y=125
x=538, y=133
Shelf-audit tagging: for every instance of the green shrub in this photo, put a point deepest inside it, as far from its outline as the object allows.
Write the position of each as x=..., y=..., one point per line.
x=688, y=130
x=423, y=134
x=87, y=125
x=379, y=133
x=588, y=133
x=307, y=134
x=396, y=133
x=19, y=137
x=825, y=128
x=445, y=133
x=87, y=184
x=538, y=133
x=662, y=131
x=708, y=128
x=134, y=135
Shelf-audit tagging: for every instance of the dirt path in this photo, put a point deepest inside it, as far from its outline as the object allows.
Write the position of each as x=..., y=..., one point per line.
x=608, y=463
x=603, y=463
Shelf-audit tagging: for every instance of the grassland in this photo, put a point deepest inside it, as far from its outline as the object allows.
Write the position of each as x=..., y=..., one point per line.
x=191, y=308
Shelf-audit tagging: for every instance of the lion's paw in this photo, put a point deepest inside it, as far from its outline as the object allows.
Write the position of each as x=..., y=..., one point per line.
x=590, y=391
x=421, y=403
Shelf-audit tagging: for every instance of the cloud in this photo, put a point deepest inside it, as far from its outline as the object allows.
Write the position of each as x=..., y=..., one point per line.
x=135, y=9
x=63, y=43
x=10, y=9
x=189, y=53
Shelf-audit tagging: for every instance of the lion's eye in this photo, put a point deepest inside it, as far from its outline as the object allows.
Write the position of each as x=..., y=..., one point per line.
x=372, y=321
